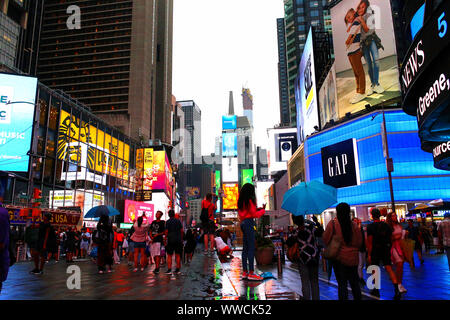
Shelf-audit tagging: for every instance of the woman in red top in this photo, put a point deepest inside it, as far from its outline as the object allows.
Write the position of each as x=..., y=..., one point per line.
x=247, y=213
x=209, y=225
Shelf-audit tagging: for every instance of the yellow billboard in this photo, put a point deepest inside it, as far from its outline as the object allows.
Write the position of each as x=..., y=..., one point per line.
x=105, y=154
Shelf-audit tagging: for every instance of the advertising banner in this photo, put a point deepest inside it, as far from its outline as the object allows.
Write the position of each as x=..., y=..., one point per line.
x=84, y=199
x=135, y=209
x=282, y=144
x=229, y=144
x=85, y=146
x=247, y=176
x=17, y=106
x=230, y=170
x=328, y=101
x=306, y=93
x=365, y=54
x=230, y=199
x=229, y=122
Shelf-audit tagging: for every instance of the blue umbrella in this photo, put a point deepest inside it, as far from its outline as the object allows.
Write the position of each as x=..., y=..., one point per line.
x=309, y=198
x=98, y=211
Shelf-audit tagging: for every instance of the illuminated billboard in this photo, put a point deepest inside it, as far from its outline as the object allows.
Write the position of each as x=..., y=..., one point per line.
x=229, y=144
x=229, y=122
x=328, y=101
x=90, y=153
x=230, y=199
x=135, y=209
x=306, y=93
x=247, y=176
x=282, y=144
x=85, y=199
x=230, y=170
x=17, y=104
x=365, y=54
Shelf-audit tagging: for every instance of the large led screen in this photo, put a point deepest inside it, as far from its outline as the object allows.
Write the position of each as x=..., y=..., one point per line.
x=282, y=143
x=365, y=54
x=328, y=101
x=229, y=144
x=230, y=170
x=305, y=92
x=134, y=210
x=229, y=122
x=230, y=199
x=17, y=105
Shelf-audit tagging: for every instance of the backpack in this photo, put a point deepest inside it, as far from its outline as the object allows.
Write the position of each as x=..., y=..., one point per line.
x=308, y=251
x=101, y=236
x=204, y=216
x=293, y=251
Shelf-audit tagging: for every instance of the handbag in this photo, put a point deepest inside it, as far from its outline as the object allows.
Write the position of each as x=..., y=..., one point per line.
x=332, y=249
x=407, y=246
x=293, y=252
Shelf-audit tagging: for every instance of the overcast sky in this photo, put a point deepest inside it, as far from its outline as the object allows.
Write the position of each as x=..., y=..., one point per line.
x=221, y=46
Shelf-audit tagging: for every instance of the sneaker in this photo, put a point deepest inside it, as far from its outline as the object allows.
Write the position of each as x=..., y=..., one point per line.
x=156, y=271
x=34, y=271
x=357, y=98
x=142, y=269
x=110, y=270
x=169, y=271
x=378, y=89
x=402, y=289
x=177, y=271
x=369, y=91
x=254, y=277
x=135, y=269
x=101, y=272
x=244, y=275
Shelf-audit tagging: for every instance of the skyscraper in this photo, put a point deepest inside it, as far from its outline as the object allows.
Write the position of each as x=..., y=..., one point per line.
x=117, y=63
x=247, y=103
x=299, y=16
x=283, y=83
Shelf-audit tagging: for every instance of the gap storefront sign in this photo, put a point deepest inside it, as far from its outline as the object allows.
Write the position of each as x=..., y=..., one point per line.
x=414, y=178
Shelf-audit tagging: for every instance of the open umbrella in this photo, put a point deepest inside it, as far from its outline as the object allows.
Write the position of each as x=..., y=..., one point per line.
x=98, y=211
x=309, y=198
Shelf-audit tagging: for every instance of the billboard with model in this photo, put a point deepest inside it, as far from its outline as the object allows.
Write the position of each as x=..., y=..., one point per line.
x=328, y=101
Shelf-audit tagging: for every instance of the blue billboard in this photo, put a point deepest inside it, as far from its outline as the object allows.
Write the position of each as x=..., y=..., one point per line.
x=414, y=178
x=229, y=144
x=17, y=105
x=229, y=122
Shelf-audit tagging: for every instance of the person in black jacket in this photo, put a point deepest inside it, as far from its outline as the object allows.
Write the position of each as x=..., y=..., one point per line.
x=46, y=241
x=103, y=237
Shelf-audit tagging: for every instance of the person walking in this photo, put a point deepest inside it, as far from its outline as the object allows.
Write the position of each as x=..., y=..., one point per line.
x=379, y=244
x=4, y=244
x=70, y=245
x=208, y=225
x=425, y=233
x=346, y=263
x=157, y=231
x=248, y=211
x=174, y=242
x=103, y=238
x=414, y=234
x=46, y=240
x=397, y=254
x=444, y=236
x=120, y=237
x=309, y=258
x=85, y=240
x=139, y=238
x=190, y=245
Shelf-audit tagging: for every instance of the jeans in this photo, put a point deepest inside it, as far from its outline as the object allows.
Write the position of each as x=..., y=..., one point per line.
x=346, y=274
x=248, y=251
x=362, y=262
x=447, y=249
x=372, y=57
x=310, y=281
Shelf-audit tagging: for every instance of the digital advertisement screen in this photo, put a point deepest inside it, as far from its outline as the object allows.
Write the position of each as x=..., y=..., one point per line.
x=134, y=210
x=247, y=176
x=328, y=101
x=230, y=199
x=283, y=143
x=305, y=92
x=229, y=144
x=85, y=199
x=16, y=120
x=230, y=170
x=153, y=170
x=229, y=122
x=365, y=61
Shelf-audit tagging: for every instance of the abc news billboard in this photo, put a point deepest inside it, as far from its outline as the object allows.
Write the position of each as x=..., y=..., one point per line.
x=16, y=120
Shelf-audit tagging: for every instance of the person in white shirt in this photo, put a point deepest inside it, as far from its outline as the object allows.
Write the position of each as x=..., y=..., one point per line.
x=85, y=241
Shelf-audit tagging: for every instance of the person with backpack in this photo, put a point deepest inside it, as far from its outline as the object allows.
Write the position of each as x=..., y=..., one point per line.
x=103, y=238
x=174, y=242
x=309, y=258
x=379, y=244
x=208, y=225
x=46, y=240
x=343, y=240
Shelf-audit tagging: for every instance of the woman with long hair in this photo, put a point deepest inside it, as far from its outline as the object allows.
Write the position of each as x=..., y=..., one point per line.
x=139, y=238
x=347, y=260
x=104, y=238
x=397, y=255
x=247, y=213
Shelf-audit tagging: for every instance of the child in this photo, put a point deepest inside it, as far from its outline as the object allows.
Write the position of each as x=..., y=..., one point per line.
x=355, y=55
x=224, y=251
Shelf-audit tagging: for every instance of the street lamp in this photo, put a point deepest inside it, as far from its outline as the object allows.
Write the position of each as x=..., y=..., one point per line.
x=30, y=153
x=389, y=161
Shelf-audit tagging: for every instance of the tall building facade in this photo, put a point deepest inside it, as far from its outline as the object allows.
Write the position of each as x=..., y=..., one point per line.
x=20, y=25
x=283, y=83
x=117, y=63
x=299, y=16
x=247, y=103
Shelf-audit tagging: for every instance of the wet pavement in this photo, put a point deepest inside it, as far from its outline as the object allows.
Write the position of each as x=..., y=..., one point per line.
x=206, y=278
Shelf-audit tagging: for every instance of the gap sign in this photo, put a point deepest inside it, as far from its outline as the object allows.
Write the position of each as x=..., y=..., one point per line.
x=340, y=164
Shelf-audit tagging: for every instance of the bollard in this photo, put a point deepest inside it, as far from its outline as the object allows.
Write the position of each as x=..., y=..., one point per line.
x=280, y=267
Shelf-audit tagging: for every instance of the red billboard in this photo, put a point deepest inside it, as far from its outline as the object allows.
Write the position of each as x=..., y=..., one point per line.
x=135, y=209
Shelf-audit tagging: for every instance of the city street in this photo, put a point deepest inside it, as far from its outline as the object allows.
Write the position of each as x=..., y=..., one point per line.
x=206, y=278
